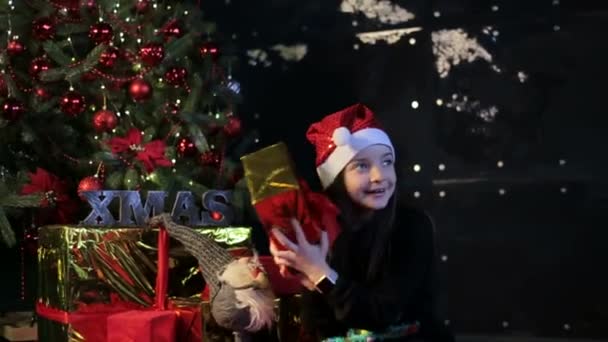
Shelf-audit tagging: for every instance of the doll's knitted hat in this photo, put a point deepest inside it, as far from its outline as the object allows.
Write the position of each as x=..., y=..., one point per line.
x=338, y=137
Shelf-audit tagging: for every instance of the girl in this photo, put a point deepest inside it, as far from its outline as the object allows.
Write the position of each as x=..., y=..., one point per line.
x=378, y=275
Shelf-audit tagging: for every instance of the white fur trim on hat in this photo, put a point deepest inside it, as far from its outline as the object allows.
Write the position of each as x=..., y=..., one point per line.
x=347, y=146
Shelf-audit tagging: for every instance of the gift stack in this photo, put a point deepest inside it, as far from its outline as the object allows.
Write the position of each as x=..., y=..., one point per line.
x=97, y=282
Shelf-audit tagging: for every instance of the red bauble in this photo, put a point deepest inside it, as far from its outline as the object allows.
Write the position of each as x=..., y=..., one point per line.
x=216, y=215
x=14, y=47
x=43, y=28
x=104, y=120
x=101, y=33
x=186, y=148
x=39, y=65
x=72, y=103
x=142, y=5
x=42, y=93
x=209, y=49
x=233, y=127
x=12, y=109
x=109, y=57
x=140, y=89
x=172, y=29
x=152, y=54
x=90, y=183
x=176, y=76
x=211, y=158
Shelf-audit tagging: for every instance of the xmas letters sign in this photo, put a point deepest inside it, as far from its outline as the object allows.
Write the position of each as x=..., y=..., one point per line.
x=133, y=212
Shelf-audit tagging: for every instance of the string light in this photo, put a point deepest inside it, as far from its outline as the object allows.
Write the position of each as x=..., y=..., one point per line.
x=441, y=167
x=416, y=194
x=500, y=164
x=441, y=193
x=439, y=102
x=436, y=14
x=505, y=324
x=415, y=104
x=412, y=41
x=417, y=168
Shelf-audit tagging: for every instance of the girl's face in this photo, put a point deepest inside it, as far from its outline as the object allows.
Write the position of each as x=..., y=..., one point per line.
x=370, y=177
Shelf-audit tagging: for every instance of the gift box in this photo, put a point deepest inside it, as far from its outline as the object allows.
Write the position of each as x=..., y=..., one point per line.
x=162, y=322
x=87, y=274
x=278, y=196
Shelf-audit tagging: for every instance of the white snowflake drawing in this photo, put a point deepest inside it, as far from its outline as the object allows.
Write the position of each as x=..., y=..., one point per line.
x=389, y=36
x=291, y=52
x=381, y=10
x=452, y=47
x=463, y=104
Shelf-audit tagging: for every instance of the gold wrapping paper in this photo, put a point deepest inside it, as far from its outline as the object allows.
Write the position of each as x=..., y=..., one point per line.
x=269, y=172
x=86, y=265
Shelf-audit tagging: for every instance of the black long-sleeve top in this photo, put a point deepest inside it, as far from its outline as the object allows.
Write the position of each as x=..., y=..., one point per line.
x=403, y=291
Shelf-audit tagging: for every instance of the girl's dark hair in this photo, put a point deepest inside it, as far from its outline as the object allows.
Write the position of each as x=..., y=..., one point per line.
x=353, y=217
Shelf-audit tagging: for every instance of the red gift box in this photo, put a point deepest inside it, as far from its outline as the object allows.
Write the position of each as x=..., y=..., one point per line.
x=165, y=321
x=314, y=211
x=142, y=326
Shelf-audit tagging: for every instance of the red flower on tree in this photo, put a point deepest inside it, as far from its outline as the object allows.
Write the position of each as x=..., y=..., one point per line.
x=54, y=193
x=151, y=154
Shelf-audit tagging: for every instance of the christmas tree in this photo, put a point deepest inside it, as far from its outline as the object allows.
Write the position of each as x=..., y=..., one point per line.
x=113, y=94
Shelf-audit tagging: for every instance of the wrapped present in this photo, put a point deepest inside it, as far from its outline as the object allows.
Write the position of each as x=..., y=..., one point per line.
x=161, y=323
x=278, y=196
x=87, y=274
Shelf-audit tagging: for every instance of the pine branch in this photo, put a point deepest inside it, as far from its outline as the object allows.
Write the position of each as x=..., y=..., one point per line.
x=20, y=201
x=54, y=51
x=6, y=231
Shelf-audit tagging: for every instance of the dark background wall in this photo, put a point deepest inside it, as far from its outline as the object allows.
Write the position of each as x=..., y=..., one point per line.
x=521, y=245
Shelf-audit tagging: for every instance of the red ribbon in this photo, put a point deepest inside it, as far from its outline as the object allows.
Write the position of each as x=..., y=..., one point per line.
x=162, y=276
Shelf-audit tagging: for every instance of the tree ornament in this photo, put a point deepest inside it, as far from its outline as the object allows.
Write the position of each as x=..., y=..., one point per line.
x=211, y=158
x=140, y=89
x=172, y=29
x=90, y=183
x=43, y=28
x=14, y=47
x=209, y=49
x=42, y=93
x=109, y=57
x=216, y=215
x=152, y=54
x=104, y=120
x=142, y=6
x=101, y=33
x=38, y=65
x=12, y=109
x=176, y=76
x=233, y=127
x=72, y=103
x=186, y=148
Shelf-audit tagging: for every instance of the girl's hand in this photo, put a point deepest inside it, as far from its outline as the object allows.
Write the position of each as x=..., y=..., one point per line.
x=283, y=269
x=304, y=257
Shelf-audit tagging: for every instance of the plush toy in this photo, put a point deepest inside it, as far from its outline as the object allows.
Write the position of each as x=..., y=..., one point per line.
x=240, y=295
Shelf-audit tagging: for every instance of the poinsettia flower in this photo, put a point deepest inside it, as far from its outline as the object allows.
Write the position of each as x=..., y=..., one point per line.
x=151, y=154
x=54, y=193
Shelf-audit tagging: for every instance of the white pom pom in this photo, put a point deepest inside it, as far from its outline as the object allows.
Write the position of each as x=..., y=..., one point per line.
x=341, y=136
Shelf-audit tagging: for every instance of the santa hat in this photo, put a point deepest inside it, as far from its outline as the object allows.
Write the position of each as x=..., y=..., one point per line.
x=340, y=136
